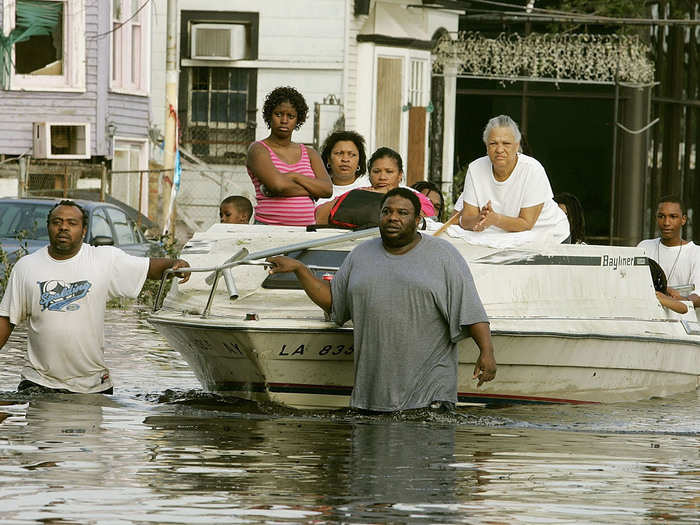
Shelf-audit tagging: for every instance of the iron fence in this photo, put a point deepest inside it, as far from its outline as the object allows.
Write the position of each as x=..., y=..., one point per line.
x=218, y=145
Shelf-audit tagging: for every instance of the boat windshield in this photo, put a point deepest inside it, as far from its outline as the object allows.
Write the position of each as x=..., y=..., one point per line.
x=289, y=281
x=24, y=219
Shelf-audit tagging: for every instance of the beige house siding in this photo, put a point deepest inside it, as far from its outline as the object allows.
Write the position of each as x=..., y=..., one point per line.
x=351, y=65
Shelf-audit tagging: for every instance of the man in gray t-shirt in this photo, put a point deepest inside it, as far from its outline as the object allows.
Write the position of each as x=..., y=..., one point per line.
x=411, y=298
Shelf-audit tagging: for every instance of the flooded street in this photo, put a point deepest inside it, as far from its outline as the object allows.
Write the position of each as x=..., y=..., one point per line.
x=162, y=451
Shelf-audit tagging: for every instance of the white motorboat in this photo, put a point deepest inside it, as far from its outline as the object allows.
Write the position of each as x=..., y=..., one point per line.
x=570, y=323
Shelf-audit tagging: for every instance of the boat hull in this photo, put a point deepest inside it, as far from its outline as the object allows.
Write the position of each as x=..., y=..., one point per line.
x=570, y=323
x=312, y=367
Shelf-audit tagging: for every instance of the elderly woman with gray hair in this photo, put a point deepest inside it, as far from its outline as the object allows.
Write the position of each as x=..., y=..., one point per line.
x=508, y=191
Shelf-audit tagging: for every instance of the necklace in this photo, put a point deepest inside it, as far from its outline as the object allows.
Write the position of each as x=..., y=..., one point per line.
x=658, y=258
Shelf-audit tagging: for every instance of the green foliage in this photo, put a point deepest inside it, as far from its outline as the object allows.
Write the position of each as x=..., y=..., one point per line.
x=150, y=288
x=601, y=8
x=614, y=8
x=6, y=269
x=458, y=182
x=5, y=259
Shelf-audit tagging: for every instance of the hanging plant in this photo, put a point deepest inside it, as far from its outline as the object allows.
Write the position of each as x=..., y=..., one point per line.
x=550, y=56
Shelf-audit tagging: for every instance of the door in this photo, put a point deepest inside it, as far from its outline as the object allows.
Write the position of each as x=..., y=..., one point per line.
x=389, y=90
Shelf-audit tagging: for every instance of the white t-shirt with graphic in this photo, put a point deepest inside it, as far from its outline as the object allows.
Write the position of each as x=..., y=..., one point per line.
x=681, y=264
x=63, y=302
x=528, y=185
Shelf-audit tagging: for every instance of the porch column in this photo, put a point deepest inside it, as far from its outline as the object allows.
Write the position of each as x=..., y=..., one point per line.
x=448, y=132
x=629, y=197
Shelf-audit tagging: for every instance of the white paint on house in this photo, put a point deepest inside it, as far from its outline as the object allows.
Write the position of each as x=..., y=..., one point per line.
x=8, y=187
x=158, y=47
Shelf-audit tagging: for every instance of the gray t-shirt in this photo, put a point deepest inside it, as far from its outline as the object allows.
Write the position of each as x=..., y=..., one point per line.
x=408, y=311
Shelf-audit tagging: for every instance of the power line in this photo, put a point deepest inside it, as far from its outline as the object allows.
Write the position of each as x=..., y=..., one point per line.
x=553, y=15
x=121, y=24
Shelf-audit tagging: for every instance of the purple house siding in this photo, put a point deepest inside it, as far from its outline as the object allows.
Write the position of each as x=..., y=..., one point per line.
x=128, y=115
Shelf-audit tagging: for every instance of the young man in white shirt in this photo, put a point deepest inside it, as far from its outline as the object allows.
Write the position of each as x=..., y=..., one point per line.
x=62, y=291
x=679, y=259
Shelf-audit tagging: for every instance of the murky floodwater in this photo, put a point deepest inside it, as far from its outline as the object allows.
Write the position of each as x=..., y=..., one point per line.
x=161, y=451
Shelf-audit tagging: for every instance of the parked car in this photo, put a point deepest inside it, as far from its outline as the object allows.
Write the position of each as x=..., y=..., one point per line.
x=23, y=227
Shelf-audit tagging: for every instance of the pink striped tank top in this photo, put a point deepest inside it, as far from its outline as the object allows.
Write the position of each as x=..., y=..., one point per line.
x=287, y=211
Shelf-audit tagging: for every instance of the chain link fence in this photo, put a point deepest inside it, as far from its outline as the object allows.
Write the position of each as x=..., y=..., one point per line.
x=201, y=192
x=196, y=206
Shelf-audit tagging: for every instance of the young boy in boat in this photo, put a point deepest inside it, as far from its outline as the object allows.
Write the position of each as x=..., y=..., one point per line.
x=235, y=209
x=62, y=290
x=678, y=258
x=411, y=298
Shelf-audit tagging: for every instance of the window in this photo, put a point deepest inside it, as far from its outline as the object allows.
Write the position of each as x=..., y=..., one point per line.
x=129, y=173
x=45, y=55
x=219, y=96
x=123, y=227
x=217, y=123
x=25, y=220
x=416, y=90
x=130, y=36
x=99, y=225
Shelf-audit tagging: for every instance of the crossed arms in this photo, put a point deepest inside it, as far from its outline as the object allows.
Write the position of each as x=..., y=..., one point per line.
x=289, y=184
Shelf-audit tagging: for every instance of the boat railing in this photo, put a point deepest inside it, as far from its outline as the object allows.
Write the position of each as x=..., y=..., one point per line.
x=244, y=257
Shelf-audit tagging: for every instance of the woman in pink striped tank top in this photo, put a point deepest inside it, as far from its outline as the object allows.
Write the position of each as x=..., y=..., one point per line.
x=287, y=176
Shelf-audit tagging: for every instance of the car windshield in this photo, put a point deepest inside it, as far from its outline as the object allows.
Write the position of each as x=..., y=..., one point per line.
x=25, y=220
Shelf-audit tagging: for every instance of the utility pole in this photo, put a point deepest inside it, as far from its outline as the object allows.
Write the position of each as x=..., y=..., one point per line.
x=171, y=80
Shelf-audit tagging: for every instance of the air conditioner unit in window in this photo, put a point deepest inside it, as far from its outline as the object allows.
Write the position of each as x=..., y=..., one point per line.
x=219, y=42
x=61, y=140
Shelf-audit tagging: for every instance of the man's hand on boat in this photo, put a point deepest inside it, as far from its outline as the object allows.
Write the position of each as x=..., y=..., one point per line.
x=158, y=265
x=283, y=264
x=318, y=290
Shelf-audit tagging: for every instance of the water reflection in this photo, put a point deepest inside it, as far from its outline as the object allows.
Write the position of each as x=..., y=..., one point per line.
x=401, y=469
x=361, y=469
x=162, y=451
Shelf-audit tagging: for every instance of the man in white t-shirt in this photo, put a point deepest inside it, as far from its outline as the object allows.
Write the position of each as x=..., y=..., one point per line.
x=507, y=191
x=679, y=259
x=62, y=291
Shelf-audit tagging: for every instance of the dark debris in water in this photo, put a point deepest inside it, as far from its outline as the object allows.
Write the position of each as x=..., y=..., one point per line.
x=209, y=401
x=424, y=415
x=212, y=401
